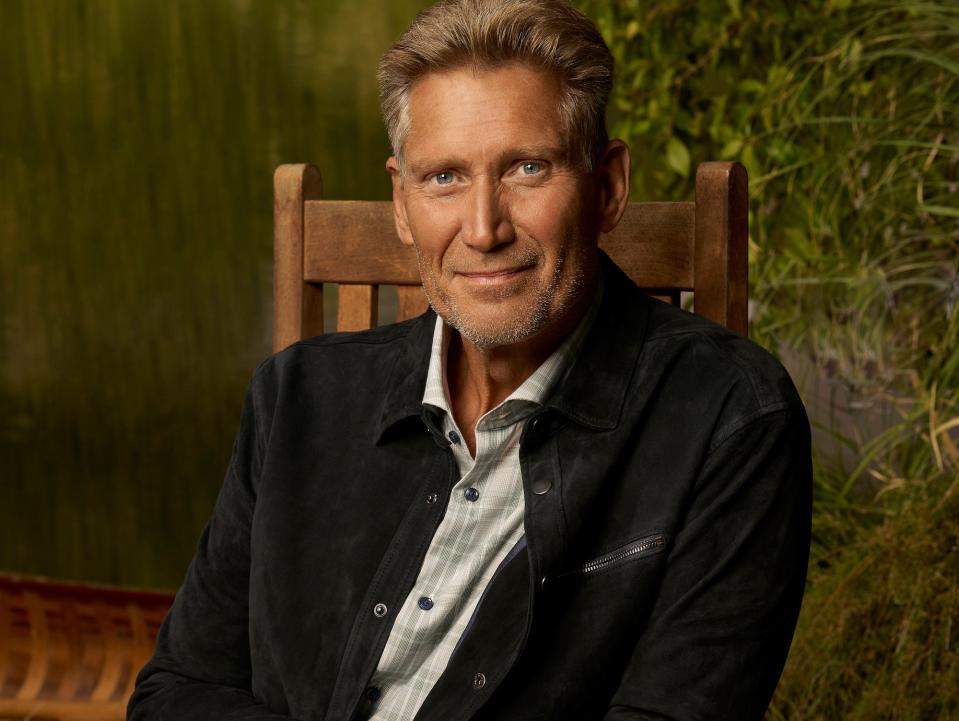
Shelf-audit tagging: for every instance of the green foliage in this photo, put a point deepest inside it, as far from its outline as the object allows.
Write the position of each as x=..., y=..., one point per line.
x=690, y=78
x=846, y=115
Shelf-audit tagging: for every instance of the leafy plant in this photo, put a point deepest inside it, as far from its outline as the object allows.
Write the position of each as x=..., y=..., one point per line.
x=846, y=116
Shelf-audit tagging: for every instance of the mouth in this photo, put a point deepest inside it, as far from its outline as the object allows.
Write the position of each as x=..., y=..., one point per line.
x=494, y=277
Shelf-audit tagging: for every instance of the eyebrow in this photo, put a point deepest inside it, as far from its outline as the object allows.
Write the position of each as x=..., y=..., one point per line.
x=453, y=161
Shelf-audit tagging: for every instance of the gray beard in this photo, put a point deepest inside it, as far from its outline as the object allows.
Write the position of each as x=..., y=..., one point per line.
x=516, y=330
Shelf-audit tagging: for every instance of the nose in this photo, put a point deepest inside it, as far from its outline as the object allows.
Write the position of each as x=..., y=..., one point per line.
x=487, y=224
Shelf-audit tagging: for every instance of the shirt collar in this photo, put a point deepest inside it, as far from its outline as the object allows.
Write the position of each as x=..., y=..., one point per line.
x=594, y=390
x=532, y=393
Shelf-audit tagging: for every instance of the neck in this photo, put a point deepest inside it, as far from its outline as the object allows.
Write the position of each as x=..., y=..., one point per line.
x=479, y=379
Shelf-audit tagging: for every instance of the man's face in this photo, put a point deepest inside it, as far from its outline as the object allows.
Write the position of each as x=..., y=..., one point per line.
x=503, y=221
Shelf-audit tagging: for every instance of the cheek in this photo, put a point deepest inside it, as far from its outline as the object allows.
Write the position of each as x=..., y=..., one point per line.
x=552, y=219
x=433, y=226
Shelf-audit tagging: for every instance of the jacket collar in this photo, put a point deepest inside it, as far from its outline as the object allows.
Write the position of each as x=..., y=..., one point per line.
x=595, y=389
x=404, y=395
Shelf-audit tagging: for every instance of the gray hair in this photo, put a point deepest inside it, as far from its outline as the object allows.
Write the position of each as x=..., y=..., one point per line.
x=550, y=35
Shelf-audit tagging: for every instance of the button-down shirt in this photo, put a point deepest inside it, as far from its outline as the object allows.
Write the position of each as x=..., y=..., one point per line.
x=483, y=522
x=666, y=426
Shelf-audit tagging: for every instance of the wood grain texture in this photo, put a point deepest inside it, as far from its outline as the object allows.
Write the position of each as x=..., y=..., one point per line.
x=653, y=244
x=352, y=241
x=722, y=244
x=410, y=301
x=355, y=241
x=357, y=307
x=666, y=248
x=72, y=651
x=297, y=304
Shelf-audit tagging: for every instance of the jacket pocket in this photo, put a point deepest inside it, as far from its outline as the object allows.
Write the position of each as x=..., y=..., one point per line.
x=643, y=547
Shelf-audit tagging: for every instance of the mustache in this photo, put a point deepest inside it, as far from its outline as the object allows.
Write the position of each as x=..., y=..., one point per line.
x=496, y=264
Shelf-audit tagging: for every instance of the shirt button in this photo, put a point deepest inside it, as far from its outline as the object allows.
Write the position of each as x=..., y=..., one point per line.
x=380, y=610
x=541, y=486
x=479, y=680
x=426, y=603
x=431, y=498
x=454, y=437
x=471, y=494
x=372, y=694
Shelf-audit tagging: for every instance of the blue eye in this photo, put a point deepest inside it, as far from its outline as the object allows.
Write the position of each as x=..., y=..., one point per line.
x=531, y=168
x=444, y=178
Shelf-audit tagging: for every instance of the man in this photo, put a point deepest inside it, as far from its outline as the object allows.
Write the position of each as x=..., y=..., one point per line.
x=551, y=498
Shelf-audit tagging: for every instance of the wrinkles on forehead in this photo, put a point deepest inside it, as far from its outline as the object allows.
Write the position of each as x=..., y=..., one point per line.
x=484, y=114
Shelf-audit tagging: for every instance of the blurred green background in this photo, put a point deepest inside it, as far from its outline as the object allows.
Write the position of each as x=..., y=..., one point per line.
x=137, y=144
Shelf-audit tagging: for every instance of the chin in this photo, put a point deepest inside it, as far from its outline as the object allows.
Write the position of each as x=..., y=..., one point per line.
x=515, y=326
x=489, y=338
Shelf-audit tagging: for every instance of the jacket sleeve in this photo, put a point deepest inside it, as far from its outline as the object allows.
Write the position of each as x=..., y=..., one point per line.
x=721, y=625
x=201, y=666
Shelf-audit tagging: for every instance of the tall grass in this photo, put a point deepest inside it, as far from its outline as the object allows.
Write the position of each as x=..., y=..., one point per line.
x=871, y=261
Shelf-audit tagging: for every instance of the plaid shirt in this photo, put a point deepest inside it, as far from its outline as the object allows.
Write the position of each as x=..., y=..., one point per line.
x=482, y=524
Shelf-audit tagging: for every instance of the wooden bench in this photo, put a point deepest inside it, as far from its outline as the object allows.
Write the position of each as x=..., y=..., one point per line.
x=71, y=651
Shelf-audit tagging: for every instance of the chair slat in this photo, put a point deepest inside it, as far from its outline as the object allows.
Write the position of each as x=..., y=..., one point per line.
x=722, y=245
x=115, y=648
x=666, y=248
x=352, y=241
x=73, y=642
x=297, y=306
x=653, y=244
x=357, y=307
x=39, y=647
x=410, y=301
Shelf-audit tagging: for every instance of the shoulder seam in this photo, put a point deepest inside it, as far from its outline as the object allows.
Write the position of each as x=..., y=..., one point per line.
x=731, y=429
x=709, y=337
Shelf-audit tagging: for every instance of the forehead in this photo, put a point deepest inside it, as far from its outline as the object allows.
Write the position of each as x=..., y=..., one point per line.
x=483, y=110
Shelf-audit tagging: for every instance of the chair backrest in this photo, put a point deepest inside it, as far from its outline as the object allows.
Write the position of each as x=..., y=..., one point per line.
x=666, y=248
x=71, y=651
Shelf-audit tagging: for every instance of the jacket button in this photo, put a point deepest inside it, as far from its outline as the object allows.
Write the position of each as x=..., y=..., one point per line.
x=479, y=680
x=380, y=610
x=431, y=498
x=541, y=486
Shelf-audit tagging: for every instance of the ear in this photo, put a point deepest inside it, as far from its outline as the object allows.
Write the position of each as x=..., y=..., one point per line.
x=612, y=175
x=399, y=204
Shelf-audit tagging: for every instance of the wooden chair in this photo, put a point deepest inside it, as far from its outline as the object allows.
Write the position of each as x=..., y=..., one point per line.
x=666, y=248
x=71, y=651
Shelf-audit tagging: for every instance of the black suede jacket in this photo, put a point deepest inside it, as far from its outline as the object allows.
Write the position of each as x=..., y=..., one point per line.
x=668, y=501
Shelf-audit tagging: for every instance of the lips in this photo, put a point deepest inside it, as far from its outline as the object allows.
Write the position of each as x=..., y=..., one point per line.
x=493, y=278
x=492, y=273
